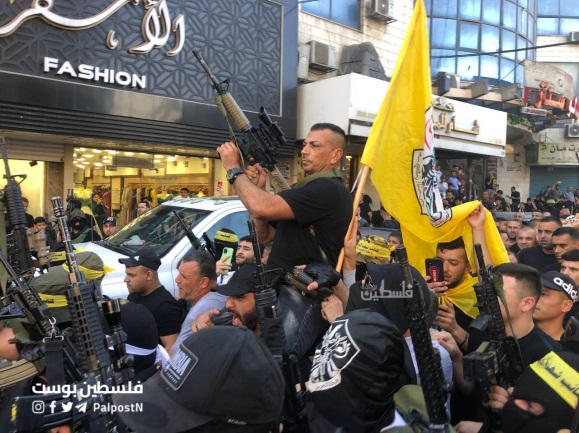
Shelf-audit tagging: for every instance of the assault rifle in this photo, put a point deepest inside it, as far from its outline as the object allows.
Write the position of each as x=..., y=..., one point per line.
x=434, y=388
x=500, y=357
x=272, y=331
x=17, y=241
x=87, y=411
x=259, y=144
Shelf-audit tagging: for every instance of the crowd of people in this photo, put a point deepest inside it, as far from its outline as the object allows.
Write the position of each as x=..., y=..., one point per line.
x=353, y=344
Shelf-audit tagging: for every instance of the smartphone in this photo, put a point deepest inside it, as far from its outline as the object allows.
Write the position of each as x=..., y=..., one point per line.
x=435, y=269
x=227, y=252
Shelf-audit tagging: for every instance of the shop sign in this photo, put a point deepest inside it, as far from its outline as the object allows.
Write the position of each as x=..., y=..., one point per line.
x=94, y=73
x=156, y=24
x=534, y=111
x=468, y=122
x=560, y=153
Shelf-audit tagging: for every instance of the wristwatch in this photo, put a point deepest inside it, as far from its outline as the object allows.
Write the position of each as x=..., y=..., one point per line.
x=233, y=173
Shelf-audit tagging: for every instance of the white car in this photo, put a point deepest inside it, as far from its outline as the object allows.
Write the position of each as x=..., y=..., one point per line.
x=161, y=230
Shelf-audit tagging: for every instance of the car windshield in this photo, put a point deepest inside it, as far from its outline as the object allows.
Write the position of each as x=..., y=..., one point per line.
x=159, y=228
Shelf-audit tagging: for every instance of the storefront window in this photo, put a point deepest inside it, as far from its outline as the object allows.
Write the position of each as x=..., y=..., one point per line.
x=346, y=12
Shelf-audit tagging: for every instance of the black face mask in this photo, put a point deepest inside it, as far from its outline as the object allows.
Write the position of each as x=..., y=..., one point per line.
x=515, y=420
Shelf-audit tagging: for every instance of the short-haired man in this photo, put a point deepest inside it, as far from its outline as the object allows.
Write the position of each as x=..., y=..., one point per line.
x=142, y=207
x=145, y=288
x=526, y=238
x=196, y=279
x=537, y=215
x=513, y=227
x=522, y=288
x=519, y=216
x=542, y=255
x=501, y=223
x=311, y=217
x=557, y=297
x=184, y=192
x=395, y=239
x=109, y=226
x=570, y=265
x=564, y=239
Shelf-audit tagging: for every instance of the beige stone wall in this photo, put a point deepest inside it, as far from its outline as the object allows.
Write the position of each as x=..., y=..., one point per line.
x=512, y=170
x=387, y=38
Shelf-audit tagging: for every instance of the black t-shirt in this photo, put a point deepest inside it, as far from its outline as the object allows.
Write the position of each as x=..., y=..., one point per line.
x=164, y=307
x=535, y=345
x=324, y=203
x=536, y=258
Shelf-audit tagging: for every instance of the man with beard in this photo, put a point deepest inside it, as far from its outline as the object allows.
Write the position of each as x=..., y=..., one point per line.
x=542, y=255
x=456, y=292
x=240, y=303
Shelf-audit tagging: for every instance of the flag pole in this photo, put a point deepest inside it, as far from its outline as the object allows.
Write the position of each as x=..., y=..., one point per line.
x=352, y=229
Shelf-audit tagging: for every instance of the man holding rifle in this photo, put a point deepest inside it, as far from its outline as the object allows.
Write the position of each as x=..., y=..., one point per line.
x=321, y=201
x=306, y=223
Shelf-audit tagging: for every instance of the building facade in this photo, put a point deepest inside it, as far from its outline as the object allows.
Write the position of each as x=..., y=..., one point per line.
x=109, y=93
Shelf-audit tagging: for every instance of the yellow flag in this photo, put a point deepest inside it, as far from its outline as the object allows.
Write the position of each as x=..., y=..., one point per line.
x=400, y=153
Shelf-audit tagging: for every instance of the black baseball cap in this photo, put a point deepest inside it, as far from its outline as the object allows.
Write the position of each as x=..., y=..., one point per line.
x=562, y=283
x=144, y=257
x=244, y=280
x=111, y=220
x=221, y=373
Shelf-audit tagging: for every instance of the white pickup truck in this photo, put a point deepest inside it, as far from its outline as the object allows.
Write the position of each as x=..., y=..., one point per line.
x=161, y=230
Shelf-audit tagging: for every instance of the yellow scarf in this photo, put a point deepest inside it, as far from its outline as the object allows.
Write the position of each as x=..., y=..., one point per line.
x=463, y=297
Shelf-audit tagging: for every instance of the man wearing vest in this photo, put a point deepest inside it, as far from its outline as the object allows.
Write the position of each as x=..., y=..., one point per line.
x=307, y=223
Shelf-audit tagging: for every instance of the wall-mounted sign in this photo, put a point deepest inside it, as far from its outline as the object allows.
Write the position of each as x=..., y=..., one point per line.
x=94, y=73
x=534, y=111
x=156, y=23
x=560, y=153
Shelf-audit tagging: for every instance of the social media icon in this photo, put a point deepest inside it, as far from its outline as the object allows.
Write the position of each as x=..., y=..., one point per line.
x=67, y=407
x=81, y=407
x=37, y=406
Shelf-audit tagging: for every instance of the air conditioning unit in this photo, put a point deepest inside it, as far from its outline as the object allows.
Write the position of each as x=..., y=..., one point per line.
x=322, y=57
x=574, y=37
x=382, y=10
x=572, y=130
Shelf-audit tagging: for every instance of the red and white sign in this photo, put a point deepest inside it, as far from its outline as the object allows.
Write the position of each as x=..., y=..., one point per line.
x=534, y=111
